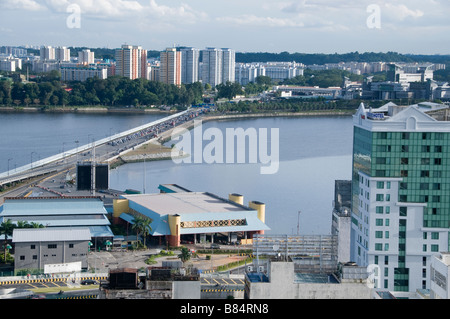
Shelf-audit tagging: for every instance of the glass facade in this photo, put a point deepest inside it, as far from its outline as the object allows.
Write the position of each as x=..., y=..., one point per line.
x=421, y=159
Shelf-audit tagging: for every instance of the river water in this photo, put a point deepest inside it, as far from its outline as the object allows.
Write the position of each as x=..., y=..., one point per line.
x=313, y=153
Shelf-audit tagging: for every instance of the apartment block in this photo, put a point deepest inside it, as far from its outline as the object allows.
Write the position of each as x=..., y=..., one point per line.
x=170, y=68
x=131, y=62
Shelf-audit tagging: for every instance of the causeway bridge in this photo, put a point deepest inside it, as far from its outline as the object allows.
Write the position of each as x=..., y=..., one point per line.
x=105, y=149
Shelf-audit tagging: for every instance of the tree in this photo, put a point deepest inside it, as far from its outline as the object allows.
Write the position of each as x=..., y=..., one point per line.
x=185, y=254
x=6, y=228
x=141, y=225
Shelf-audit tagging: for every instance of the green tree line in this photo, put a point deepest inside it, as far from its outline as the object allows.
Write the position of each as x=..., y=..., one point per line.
x=110, y=92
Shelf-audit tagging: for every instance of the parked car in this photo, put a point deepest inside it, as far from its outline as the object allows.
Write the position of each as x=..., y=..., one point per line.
x=88, y=282
x=215, y=246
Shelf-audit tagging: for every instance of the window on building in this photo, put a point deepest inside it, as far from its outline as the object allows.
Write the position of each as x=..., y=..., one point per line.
x=379, y=222
x=425, y=161
x=405, y=148
x=425, y=149
x=438, y=149
x=434, y=235
x=437, y=161
x=403, y=211
x=52, y=246
x=71, y=246
x=379, y=209
x=34, y=257
x=380, y=197
x=404, y=161
x=380, y=185
x=424, y=173
x=434, y=248
x=22, y=258
x=404, y=173
x=33, y=247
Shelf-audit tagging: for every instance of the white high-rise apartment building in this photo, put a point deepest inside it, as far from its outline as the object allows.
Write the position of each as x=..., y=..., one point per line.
x=47, y=53
x=62, y=54
x=189, y=65
x=86, y=57
x=212, y=66
x=218, y=66
x=228, y=65
x=131, y=62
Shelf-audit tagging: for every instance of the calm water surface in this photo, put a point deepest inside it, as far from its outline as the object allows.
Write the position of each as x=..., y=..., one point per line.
x=314, y=152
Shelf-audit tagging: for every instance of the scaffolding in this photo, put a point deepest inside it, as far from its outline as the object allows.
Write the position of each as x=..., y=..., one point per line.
x=310, y=253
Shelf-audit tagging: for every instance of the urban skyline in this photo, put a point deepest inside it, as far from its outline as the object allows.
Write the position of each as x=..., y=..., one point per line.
x=305, y=26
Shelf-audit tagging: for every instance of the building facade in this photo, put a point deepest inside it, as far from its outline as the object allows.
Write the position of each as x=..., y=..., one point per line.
x=35, y=248
x=178, y=215
x=400, y=192
x=76, y=73
x=190, y=58
x=131, y=62
x=86, y=57
x=170, y=67
x=218, y=66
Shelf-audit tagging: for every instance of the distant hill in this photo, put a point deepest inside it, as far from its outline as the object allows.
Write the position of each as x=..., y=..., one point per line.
x=321, y=58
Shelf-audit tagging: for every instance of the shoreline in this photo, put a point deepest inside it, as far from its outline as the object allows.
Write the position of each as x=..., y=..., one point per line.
x=165, y=153
x=102, y=110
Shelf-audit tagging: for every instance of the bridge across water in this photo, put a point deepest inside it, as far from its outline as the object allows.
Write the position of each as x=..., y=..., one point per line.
x=58, y=162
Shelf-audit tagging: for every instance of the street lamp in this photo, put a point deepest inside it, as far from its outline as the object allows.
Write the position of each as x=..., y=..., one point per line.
x=31, y=159
x=8, y=164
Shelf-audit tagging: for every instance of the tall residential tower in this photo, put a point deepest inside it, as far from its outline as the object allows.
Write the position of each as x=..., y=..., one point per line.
x=131, y=62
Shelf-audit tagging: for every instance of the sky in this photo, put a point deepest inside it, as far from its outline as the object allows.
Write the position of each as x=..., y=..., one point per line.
x=304, y=26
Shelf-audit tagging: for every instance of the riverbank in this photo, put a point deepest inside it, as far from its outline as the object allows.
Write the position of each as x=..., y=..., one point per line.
x=87, y=109
x=154, y=150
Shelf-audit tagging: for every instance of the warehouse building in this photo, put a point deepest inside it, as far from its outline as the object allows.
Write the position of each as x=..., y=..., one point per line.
x=181, y=216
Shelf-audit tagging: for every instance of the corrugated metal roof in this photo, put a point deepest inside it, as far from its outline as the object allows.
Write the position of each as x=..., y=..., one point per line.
x=52, y=206
x=51, y=234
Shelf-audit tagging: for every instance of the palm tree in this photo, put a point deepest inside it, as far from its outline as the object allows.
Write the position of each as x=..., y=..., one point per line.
x=185, y=254
x=6, y=228
x=141, y=225
x=146, y=228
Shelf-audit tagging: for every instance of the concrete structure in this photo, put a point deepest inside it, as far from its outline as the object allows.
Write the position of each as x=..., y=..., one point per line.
x=218, y=66
x=341, y=218
x=86, y=57
x=400, y=199
x=190, y=59
x=36, y=248
x=62, y=54
x=281, y=281
x=158, y=283
x=309, y=91
x=68, y=212
x=47, y=53
x=440, y=274
x=184, y=216
x=131, y=62
x=82, y=73
x=170, y=67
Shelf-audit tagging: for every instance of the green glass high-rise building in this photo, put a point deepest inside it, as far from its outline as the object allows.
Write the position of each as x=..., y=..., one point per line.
x=400, y=192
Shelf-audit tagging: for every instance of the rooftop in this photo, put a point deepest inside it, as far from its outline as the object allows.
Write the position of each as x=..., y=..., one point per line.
x=185, y=203
x=50, y=234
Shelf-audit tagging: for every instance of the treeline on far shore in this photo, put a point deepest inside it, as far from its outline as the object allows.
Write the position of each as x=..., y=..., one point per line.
x=114, y=91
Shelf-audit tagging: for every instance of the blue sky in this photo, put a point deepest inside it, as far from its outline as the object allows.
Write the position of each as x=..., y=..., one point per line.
x=308, y=26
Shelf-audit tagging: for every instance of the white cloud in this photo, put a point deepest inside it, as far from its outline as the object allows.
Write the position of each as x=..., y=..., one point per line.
x=252, y=20
x=401, y=12
x=29, y=5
